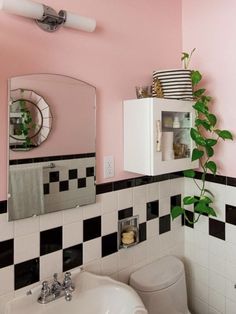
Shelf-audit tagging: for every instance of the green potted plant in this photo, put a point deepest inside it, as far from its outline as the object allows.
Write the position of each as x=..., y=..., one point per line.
x=206, y=136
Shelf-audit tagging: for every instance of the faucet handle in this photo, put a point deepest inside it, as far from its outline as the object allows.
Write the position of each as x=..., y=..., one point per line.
x=67, y=275
x=45, y=289
x=67, y=283
x=55, y=276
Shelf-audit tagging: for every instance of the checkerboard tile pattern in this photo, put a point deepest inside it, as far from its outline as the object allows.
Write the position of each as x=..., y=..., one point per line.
x=88, y=235
x=71, y=180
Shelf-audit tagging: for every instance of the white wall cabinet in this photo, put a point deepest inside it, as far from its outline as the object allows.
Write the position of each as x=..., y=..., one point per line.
x=157, y=135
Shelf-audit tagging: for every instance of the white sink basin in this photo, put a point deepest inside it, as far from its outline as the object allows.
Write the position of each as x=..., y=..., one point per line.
x=93, y=295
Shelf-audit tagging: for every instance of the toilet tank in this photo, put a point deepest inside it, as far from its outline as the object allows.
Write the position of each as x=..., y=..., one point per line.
x=161, y=286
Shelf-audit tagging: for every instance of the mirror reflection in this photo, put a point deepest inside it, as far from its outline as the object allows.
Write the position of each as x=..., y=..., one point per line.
x=50, y=168
x=30, y=120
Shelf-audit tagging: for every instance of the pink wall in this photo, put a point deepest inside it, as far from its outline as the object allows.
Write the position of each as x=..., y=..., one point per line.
x=210, y=27
x=132, y=39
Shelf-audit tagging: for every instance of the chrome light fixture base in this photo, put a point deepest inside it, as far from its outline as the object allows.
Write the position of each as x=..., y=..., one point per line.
x=51, y=21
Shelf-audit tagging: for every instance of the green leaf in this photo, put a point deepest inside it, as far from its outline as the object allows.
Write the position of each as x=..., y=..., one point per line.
x=189, y=173
x=199, y=92
x=212, y=211
x=196, y=77
x=204, y=123
x=200, y=107
x=209, y=151
x=212, y=119
x=206, y=199
x=206, y=99
x=201, y=207
x=211, y=165
x=196, y=136
x=197, y=154
x=176, y=211
x=188, y=200
x=224, y=134
x=211, y=142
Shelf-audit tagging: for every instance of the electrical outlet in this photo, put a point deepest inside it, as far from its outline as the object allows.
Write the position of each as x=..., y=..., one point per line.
x=109, y=169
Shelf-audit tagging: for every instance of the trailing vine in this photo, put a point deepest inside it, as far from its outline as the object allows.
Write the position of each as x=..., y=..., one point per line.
x=206, y=136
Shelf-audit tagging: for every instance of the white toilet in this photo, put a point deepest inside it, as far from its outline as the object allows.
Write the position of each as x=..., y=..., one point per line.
x=161, y=286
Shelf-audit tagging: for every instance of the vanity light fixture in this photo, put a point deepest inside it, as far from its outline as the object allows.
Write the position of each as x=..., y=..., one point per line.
x=46, y=17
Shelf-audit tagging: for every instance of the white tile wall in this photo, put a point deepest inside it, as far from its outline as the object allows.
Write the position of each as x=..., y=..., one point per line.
x=211, y=262
x=119, y=265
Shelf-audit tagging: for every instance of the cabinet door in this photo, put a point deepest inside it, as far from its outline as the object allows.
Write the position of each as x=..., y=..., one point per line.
x=172, y=121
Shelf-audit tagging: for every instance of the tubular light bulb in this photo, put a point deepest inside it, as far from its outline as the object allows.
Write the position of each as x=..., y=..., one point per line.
x=79, y=22
x=24, y=8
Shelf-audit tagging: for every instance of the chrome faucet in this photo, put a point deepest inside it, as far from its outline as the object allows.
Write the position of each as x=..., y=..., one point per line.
x=57, y=289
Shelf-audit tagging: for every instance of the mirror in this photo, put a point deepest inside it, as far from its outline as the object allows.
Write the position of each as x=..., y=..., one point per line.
x=52, y=160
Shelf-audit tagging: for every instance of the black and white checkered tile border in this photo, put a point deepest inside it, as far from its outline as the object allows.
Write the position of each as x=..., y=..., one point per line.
x=28, y=272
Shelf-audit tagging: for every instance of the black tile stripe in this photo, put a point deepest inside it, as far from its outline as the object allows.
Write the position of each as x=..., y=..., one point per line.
x=212, y=178
x=231, y=181
x=50, y=158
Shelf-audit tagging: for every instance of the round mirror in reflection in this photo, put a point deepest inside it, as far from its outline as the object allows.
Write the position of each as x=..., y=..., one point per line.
x=30, y=120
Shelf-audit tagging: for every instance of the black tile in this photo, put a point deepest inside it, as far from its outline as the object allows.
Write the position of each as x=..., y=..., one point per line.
x=54, y=176
x=142, y=232
x=6, y=253
x=217, y=228
x=81, y=183
x=104, y=188
x=92, y=228
x=211, y=177
x=72, y=257
x=63, y=186
x=50, y=240
x=124, y=184
x=73, y=174
x=231, y=181
x=90, y=172
x=176, y=175
x=3, y=207
x=161, y=177
x=164, y=224
x=26, y=273
x=125, y=213
x=109, y=244
x=143, y=180
x=175, y=200
x=230, y=212
x=152, y=210
x=190, y=216
x=46, y=188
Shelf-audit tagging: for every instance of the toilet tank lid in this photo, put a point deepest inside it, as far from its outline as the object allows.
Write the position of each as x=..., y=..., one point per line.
x=157, y=275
